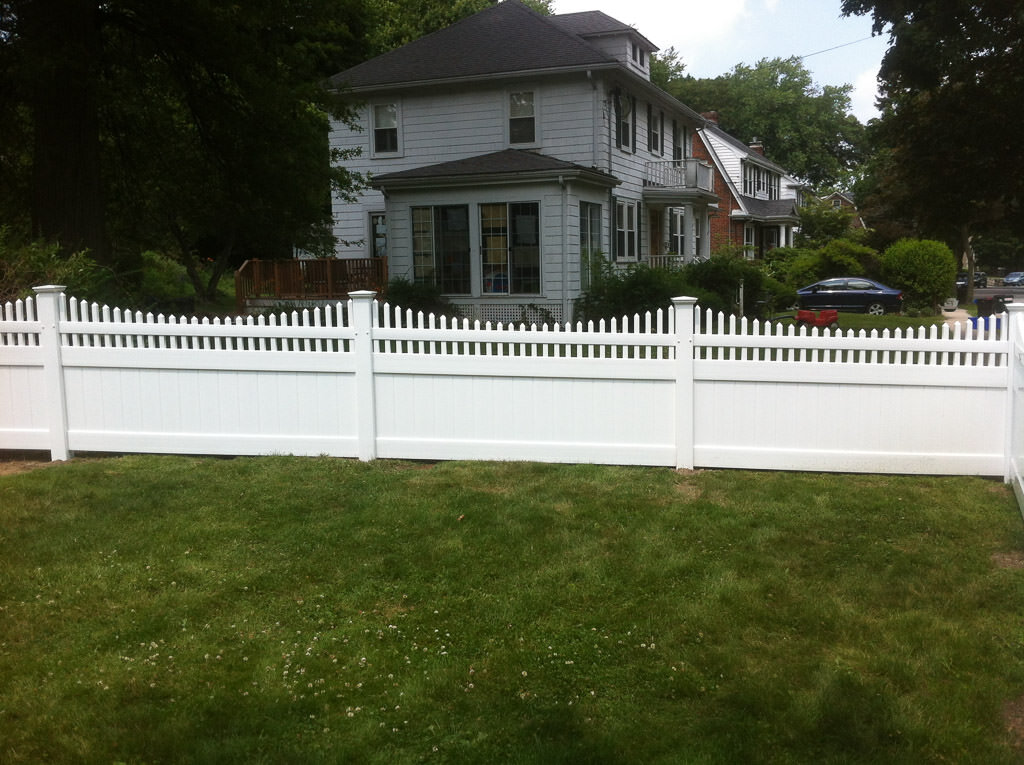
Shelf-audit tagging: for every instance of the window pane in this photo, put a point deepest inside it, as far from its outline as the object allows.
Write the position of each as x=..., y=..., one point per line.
x=522, y=123
x=525, y=252
x=451, y=224
x=385, y=128
x=494, y=248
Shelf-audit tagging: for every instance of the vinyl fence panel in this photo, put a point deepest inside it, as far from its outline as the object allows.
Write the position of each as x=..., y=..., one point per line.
x=679, y=387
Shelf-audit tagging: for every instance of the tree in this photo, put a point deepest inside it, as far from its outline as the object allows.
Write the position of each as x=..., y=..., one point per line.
x=805, y=128
x=820, y=223
x=952, y=162
x=195, y=126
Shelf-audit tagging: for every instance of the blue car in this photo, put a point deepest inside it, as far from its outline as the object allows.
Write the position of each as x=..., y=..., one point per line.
x=1016, y=279
x=852, y=293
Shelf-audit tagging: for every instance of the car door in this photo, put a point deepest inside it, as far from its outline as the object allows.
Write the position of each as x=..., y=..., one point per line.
x=830, y=294
x=861, y=292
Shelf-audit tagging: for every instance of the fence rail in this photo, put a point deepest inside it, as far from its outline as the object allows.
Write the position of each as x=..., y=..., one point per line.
x=360, y=378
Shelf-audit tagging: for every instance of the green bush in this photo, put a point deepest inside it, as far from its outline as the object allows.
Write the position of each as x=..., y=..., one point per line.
x=715, y=283
x=419, y=297
x=24, y=265
x=924, y=268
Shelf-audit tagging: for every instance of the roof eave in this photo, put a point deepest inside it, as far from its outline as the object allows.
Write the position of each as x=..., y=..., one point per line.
x=476, y=78
x=383, y=183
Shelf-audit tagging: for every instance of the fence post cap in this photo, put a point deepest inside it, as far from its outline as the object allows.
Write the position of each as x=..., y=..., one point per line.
x=45, y=288
x=684, y=301
x=362, y=294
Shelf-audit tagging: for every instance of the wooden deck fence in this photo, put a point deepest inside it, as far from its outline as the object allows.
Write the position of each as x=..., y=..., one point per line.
x=308, y=279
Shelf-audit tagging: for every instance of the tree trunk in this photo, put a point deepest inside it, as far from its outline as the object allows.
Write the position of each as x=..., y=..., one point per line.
x=62, y=41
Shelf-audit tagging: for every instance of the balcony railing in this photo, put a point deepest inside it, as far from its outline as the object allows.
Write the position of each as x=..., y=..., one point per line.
x=680, y=174
x=310, y=279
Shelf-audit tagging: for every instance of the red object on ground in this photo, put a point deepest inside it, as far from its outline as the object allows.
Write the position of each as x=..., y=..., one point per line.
x=826, y=318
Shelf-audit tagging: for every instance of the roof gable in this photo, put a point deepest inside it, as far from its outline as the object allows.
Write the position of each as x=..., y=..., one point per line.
x=503, y=38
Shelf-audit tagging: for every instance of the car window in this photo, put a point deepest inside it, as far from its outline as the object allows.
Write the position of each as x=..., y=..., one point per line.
x=833, y=284
x=860, y=284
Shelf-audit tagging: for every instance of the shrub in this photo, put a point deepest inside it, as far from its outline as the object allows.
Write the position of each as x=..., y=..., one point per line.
x=419, y=297
x=925, y=269
x=32, y=264
x=615, y=293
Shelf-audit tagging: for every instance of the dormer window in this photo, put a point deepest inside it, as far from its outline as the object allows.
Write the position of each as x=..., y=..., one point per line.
x=638, y=55
x=522, y=117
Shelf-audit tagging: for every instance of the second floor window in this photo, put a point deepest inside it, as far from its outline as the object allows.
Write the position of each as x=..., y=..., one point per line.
x=625, y=122
x=522, y=117
x=385, y=128
x=655, y=130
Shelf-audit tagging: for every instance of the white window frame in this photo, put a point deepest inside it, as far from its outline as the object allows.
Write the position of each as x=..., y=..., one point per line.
x=374, y=151
x=749, y=241
x=373, y=241
x=534, y=115
x=627, y=230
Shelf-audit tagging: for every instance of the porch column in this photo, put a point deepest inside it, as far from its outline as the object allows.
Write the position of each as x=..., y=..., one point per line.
x=689, y=240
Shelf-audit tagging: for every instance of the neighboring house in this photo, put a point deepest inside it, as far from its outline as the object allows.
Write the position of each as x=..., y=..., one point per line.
x=506, y=150
x=758, y=200
x=842, y=201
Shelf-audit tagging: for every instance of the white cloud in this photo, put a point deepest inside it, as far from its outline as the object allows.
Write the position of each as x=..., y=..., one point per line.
x=862, y=99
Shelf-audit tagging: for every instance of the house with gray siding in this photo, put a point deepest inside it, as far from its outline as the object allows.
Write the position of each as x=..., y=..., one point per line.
x=507, y=151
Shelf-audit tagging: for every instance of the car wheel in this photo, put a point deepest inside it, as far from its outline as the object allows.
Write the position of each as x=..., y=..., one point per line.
x=876, y=309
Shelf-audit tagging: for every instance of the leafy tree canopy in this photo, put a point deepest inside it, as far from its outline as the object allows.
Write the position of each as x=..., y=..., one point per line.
x=805, y=128
x=951, y=157
x=186, y=125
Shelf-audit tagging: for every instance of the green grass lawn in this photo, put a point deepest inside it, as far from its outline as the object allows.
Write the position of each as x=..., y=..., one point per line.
x=282, y=610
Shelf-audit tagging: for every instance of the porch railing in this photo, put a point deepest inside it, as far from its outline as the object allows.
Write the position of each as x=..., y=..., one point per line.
x=680, y=174
x=308, y=279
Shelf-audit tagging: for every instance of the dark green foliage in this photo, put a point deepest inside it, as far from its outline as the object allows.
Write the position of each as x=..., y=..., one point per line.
x=951, y=165
x=425, y=298
x=806, y=128
x=820, y=223
x=800, y=266
x=715, y=283
x=24, y=265
x=197, y=129
x=924, y=268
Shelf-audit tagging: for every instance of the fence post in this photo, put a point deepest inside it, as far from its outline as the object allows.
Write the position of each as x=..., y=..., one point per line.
x=48, y=302
x=362, y=348
x=683, y=309
x=1015, y=362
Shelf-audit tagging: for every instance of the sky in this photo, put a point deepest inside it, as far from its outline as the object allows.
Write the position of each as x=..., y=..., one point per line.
x=712, y=36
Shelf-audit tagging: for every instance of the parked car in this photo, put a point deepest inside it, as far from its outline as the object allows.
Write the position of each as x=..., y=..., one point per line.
x=980, y=279
x=851, y=294
x=1014, y=279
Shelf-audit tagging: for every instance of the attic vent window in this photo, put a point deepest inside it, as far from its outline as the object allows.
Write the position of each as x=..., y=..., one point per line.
x=638, y=54
x=522, y=123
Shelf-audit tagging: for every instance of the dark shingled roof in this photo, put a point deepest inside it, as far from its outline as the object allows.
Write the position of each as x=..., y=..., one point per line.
x=596, y=24
x=508, y=161
x=507, y=37
x=771, y=208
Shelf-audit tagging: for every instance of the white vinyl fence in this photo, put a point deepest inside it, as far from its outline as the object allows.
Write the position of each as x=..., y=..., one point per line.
x=679, y=388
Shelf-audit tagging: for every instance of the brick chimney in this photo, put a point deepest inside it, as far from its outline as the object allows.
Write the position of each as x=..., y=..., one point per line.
x=710, y=116
x=757, y=146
